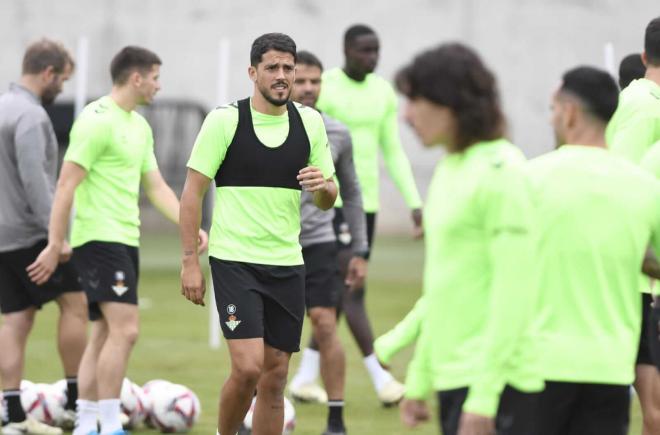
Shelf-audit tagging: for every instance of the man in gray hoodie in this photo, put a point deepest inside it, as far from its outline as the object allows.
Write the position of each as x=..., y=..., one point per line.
x=28, y=171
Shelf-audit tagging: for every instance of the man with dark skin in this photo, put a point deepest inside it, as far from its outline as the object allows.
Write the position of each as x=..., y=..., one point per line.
x=367, y=105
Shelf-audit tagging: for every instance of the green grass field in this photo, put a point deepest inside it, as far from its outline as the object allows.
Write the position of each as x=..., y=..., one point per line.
x=174, y=336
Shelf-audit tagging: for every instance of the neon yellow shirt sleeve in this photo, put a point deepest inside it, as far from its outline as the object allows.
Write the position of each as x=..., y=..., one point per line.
x=396, y=161
x=211, y=144
x=419, y=376
x=508, y=214
x=402, y=335
x=87, y=142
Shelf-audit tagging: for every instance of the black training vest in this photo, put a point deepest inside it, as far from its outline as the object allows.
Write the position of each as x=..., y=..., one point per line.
x=249, y=162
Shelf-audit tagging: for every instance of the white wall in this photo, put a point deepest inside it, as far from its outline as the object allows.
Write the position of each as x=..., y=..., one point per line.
x=528, y=43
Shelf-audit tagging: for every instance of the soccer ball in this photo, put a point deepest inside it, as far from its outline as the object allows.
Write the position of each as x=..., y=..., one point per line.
x=151, y=390
x=43, y=402
x=134, y=403
x=289, y=418
x=175, y=408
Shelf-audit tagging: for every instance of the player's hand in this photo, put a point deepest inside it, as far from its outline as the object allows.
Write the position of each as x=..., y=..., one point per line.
x=66, y=252
x=311, y=179
x=45, y=264
x=356, y=273
x=418, y=229
x=413, y=412
x=193, y=285
x=202, y=241
x=474, y=424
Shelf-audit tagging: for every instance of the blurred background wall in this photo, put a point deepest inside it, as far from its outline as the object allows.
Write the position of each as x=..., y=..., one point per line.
x=528, y=43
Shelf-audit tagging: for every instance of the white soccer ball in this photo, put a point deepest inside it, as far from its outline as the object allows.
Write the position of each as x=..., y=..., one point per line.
x=151, y=390
x=175, y=408
x=43, y=402
x=134, y=403
x=289, y=418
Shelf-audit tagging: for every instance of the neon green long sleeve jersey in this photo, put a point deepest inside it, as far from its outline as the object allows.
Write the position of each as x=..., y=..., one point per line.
x=479, y=292
x=369, y=110
x=597, y=214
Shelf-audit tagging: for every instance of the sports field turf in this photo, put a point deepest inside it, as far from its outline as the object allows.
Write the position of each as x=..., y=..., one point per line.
x=174, y=336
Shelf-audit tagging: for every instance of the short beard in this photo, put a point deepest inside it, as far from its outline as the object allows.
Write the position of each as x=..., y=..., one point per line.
x=273, y=101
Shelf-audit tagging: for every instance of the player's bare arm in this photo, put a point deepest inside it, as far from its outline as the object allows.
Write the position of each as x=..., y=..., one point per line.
x=44, y=266
x=164, y=199
x=325, y=190
x=193, y=286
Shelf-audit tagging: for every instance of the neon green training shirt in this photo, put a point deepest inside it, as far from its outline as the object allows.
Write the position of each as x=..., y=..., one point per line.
x=597, y=214
x=257, y=224
x=635, y=125
x=369, y=110
x=475, y=317
x=651, y=160
x=115, y=147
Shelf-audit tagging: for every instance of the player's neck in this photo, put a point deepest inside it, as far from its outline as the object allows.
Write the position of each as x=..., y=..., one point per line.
x=588, y=136
x=123, y=98
x=653, y=74
x=261, y=105
x=354, y=74
x=31, y=83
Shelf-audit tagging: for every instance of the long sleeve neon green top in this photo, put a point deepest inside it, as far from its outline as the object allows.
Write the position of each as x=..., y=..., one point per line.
x=369, y=110
x=475, y=318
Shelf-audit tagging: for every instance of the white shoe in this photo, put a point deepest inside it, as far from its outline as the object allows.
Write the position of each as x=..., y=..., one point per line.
x=68, y=419
x=125, y=420
x=391, y=393
x=311, y=392
x=30, y=426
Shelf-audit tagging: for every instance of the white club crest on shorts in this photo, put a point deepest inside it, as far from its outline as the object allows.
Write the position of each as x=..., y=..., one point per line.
x=233, y=322
x=119, y=286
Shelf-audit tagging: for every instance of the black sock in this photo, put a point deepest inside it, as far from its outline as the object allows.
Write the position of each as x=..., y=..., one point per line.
x=15, y=412
x=335, y=415
x=71, y=392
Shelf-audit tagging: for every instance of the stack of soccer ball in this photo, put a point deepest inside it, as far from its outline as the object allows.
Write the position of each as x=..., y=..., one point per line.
x=159, y=404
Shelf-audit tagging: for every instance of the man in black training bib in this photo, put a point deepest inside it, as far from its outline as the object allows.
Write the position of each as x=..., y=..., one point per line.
x=261, y=151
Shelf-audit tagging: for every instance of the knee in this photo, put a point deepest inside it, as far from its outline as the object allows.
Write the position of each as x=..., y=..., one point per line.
x=127, y=334
x=274, y=380
x=324, y=325
x=247, y=373
x=19, y=324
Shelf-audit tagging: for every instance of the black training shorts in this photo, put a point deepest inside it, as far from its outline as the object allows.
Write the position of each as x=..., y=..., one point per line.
x=18, y=292
x=108, y=272
x=260, y=301
x=323, y=283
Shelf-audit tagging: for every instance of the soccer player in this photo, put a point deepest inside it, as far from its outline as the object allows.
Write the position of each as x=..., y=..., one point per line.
x=110, y=153
x=261, y=152
x=634, y=128
x=323, y=283
x=474, y=321
x=631, y=68
x=593, y=235
x=28, y=172
x=367, y=105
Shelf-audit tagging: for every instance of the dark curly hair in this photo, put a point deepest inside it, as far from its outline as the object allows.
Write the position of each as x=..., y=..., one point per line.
x=453, y=75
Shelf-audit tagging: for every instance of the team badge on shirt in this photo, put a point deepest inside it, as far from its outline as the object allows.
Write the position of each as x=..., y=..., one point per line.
x=233, y=322
x=119, y=286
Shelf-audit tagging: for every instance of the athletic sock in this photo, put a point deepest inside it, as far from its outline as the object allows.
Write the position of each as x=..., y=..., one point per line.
x=336, y=416
x=71, y=392
x=109, y=412
x=87, y=415
x=15, y=412
x=308, y=371
x=379, y=376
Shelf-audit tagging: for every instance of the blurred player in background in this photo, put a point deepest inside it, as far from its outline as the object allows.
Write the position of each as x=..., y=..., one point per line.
x=323, y=283
x=476, y=344
x=367, y=105
x=631, y=68
x=111, y=152
x=593, y=238
x=634, y=128
x=262, y=152
x=28, y=173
